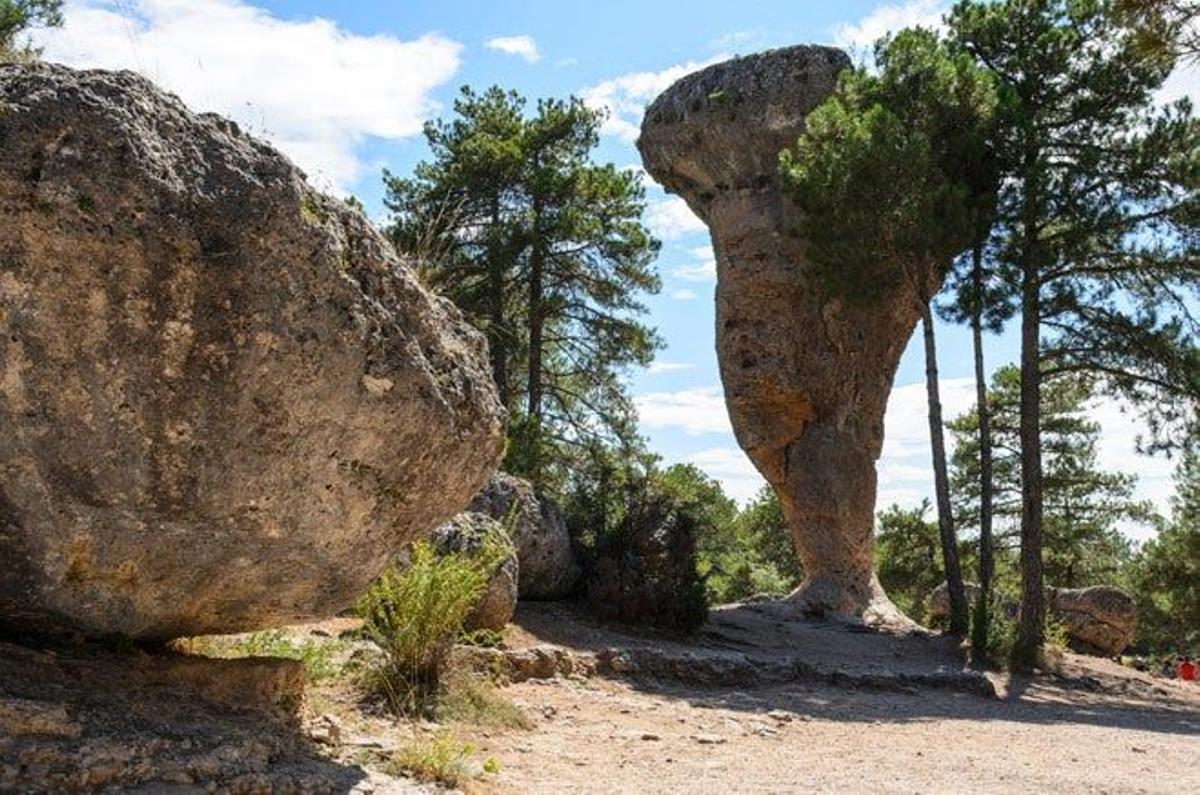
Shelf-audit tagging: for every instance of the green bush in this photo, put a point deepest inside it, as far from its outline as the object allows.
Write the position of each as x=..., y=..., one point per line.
x=644, y=566
x=636, y=529
x=1002, y=631
x=415, y=614
x=441, y=757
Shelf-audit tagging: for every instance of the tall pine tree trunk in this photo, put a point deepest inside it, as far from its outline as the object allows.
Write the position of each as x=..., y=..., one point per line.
x=1031, y=630
x=987, y=565
x=537, y=320
x=941, y=480
x=497, y=332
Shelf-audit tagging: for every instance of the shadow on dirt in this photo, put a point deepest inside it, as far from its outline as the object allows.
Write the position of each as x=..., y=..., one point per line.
x=764, y=657
x=87, y=718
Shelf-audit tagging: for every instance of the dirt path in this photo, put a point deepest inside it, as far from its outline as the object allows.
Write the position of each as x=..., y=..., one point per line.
x=755, y=703
x=611, y=736
x=1096, y=728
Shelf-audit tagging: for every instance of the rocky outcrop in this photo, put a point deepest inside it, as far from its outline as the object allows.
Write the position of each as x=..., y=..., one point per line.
x=549, y=569
x=468, y=534
x=225, y=403
x=806, y=376
x=85, y=719
x=939, y=600
x=1100, y=619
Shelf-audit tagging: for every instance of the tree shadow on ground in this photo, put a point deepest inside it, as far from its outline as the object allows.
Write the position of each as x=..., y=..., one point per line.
x=762, y=657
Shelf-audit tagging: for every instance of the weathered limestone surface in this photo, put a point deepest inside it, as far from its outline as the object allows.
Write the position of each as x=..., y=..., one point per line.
x=468, y=533
x=225, y=403
x=549, y=569
x=806, y=378
x=1101, y=619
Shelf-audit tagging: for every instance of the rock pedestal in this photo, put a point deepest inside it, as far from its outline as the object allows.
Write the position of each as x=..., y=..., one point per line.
x=806, y=377
x=225, y=402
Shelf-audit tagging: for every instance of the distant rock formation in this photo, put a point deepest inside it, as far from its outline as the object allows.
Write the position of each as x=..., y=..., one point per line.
x=225, y=402
x=549, y=569
x=806, y=377
x=1099, y=620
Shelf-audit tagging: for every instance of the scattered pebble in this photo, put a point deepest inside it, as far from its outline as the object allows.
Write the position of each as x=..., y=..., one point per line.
x=709, y=739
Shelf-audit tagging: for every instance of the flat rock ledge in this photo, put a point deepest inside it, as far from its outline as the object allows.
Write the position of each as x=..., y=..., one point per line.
x=90, y=719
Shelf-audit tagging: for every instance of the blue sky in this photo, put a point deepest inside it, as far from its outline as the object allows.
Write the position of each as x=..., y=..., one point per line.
x=342, y=87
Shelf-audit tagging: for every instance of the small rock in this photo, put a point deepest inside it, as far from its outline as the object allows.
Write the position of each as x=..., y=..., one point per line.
x=709, y=739
x=650, y=736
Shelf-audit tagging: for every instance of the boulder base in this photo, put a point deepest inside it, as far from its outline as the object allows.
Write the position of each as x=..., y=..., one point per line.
x=225, y=402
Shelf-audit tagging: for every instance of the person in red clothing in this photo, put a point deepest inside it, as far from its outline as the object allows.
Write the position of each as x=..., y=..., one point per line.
x=1186, y=670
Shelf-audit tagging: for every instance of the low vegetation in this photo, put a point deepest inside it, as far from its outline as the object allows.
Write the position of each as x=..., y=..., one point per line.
x=415, y=614
x=321, y=659
x=443, y=758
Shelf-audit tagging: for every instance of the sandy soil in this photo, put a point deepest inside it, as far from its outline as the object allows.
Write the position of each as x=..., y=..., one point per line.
x=1094, y=727
x=613, y=736
x=759, y=702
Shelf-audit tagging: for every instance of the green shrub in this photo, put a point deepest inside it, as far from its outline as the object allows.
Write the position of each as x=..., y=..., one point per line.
x=440, y=757
x=320, y=657
x=644, y=569
x=1002, y=632
x=415, y=614
x=474, y=700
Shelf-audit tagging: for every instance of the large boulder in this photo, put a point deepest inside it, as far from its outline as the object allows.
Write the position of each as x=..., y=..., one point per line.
x=225, y=402
x=469, y=534
x=806, y=376
x=549, y=569
x=1101, y=619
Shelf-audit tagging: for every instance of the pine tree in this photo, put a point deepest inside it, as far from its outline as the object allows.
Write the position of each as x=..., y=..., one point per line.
x=1084, y=506
x=1098, y=216
x=19, y=16
x=880, y=175
x=1165, y=574
x=545, y=251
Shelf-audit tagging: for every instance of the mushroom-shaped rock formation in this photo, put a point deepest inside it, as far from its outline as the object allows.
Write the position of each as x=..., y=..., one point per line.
x=806, y=377
x=225, y=403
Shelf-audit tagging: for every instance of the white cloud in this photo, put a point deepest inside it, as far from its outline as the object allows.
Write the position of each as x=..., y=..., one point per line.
x=626, y=97
x=314, y=89
x=905, y=469
x=731, y=467
x=862, y=35
x=703, y=268
x=521, y=46
x=671, y=219
x=683, y=295
x=694, y=411
x=1183, y=82
x=669, y=367
x=737, y=40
